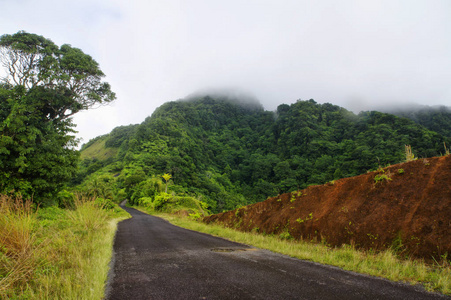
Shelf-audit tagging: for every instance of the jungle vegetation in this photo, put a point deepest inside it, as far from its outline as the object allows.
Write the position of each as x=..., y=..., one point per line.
x=226, y=153
x=217, y=152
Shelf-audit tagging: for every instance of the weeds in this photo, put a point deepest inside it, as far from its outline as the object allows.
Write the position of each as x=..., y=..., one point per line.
x=381, y=177
x=17, y=243
x=195, y=216
x=409, y=155
x=285, y=235
x=309, y=217
x=88, y=214
x=53, y=253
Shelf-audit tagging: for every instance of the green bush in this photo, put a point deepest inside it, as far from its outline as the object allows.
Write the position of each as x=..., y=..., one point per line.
x=381, y=177
x=105, y=203
x=146, y=201
x=160, y=201
x=195, y=216
x=65, y=199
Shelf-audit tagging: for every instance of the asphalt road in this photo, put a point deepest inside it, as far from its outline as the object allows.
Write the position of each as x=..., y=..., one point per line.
x=156, y=260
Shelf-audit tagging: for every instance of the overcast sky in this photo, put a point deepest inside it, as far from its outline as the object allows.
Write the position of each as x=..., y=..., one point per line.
x=356, y=54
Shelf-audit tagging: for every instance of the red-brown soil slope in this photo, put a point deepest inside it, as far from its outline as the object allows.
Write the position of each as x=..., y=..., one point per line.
x=410, y=211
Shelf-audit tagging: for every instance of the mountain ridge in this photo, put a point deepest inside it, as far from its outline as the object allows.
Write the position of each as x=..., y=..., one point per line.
x=232, y=154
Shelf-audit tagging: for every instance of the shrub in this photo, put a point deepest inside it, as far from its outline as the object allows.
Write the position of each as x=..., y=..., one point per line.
x=105, y=203
x=160, y=200
x=65, y=199
x=146, y=201
x=195, y=216
x=381, y=177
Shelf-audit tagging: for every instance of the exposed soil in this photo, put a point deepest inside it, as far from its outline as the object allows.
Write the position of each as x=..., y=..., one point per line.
x=409, y=212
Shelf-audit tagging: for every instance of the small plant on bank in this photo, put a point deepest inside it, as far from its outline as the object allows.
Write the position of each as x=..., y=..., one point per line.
x=286, y=235
x=409, y=155
x=446, y=149
x=400, y=171
x=300, y=220
x=195, y=216
x=381, y=177
x=255, y=230
x=237, y=211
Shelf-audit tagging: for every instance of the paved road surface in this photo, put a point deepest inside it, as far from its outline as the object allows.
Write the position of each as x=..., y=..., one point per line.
x=156, y=260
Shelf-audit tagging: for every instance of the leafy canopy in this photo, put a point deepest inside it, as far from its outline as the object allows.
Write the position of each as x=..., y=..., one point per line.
x=43, y=87
x=72, y=77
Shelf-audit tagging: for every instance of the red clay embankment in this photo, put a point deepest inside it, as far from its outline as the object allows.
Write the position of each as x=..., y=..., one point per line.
x=408, y=208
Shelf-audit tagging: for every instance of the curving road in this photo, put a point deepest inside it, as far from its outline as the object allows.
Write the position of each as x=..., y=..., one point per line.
x=156, y=260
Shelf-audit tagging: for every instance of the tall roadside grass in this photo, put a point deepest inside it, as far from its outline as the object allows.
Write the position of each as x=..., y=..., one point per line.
x=383, y=264
x=18, y=243
x=53, y=253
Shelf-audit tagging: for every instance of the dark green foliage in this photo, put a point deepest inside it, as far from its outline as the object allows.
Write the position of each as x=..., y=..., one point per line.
x=437, y=119
x=118, y=135
x=44, y=86
x=107, y=204
x=233, y=153
x=36, y=158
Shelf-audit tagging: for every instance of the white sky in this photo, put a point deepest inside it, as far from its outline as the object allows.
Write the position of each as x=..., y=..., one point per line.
x=357, y=54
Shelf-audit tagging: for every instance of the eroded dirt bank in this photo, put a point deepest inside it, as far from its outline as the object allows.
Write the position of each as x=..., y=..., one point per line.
x=406, y=206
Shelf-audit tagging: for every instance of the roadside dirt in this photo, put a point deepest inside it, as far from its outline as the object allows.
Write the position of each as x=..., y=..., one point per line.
x=157, y=260
x=406, y=207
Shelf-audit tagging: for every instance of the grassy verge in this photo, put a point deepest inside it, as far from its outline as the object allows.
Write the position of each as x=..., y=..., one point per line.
x=384, y=264
x=55, y=253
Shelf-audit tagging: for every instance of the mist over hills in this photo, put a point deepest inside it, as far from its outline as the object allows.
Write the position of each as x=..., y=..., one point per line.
x=435, y=118
x=233, y=95
x=228, y=151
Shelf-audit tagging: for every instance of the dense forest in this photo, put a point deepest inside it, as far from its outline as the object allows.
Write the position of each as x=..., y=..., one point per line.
x=228, y=153
x=436, y=118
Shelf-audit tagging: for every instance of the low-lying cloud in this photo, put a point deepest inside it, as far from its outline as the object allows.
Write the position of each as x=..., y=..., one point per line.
x=357, y=54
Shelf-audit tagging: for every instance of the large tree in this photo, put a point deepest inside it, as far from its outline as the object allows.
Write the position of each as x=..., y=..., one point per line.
x=44, y=85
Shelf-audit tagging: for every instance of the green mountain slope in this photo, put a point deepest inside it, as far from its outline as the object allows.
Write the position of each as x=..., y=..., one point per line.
x=434, y=118
x=97, y=150
x=230, y=153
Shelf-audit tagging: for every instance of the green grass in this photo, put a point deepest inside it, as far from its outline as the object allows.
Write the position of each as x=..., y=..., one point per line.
x=98, y=150
x=18, y=243
x=383, y=264
x=58, y=254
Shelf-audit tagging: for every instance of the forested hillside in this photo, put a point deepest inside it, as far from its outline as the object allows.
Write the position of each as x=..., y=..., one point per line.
x=434, y=118
x=227, y=153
